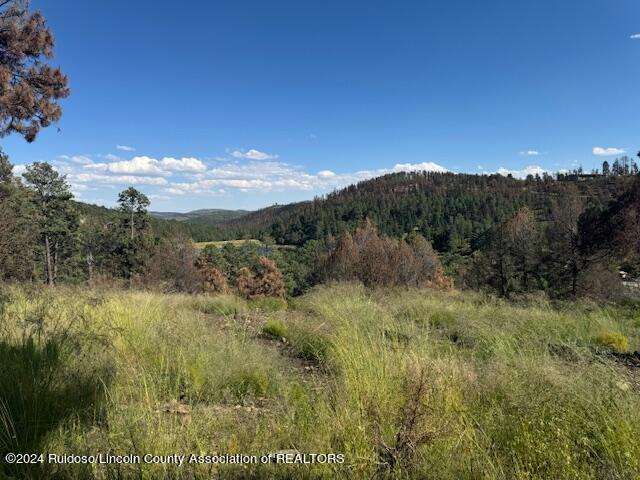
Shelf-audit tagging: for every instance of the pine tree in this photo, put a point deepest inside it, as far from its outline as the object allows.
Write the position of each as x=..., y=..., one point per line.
x=55, y=215
x=132, y=236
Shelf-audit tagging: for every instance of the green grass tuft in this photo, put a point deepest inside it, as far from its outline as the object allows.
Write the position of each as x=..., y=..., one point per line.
x=275, y=328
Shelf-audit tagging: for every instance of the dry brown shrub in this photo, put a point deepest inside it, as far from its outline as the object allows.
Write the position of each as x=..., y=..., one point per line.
x=172, y=266
x=213, y=280
x=383, y=262
x=267, y=281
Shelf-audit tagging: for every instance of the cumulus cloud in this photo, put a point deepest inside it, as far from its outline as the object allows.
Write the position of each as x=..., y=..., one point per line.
x=416, y=167
x=185, y=164
x=136, y=166
x=80, y=178
x=79, y=159
x=530, y=170
x=150, y=166
x=250, y=171
x=253, y=154
x=278, y=176
x=605, y=152
x=635, y=36
x=326, y=174
x=125, y=148
x=531, y=153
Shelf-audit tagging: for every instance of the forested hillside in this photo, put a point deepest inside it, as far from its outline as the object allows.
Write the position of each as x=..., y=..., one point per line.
x=454, y=211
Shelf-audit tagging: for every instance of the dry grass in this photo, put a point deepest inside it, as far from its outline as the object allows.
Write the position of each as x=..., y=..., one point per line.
x=404, y=383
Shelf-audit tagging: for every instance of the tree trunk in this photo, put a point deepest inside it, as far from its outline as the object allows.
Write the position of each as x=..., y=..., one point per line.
x=90, y=265
x=55, y=262
x=47, y=254
x=132, y=225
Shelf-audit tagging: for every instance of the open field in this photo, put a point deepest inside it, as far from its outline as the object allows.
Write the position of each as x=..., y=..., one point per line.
x=235, y=243
x=239, y=243
x=404, y=383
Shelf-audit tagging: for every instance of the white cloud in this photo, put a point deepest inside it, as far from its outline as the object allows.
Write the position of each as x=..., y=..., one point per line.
x=79, y=159
x=125, y=148
x=186, y=164
x=78, y=178
x=531, y=153
x=144, y=165
x=605, y=152
x=278, y=176
x=19, y=169
x=415, y=167
x=635, y=37
x=136, y=166
x=249, y=171
x=530, y=170
x=326, y=174
x=253, y=154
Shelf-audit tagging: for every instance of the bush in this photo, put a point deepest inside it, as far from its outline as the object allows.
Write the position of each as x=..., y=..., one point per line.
x=379, y=261
x=249, y=383
x=275, y=328
x=308, y=344
x=614, y=341
x=266, y=282
x=213, y=280
x=173, y=266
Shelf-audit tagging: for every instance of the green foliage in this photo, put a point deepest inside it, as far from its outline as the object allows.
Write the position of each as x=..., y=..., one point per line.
x=613, y=341
x=224, y=305
x=309, y=343
x=453, y=211
x=275, y=328
x=248, y=383
x=54, y=215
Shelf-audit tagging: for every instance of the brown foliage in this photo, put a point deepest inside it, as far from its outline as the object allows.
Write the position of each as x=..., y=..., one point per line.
x=383, y=262
x=246, y=283
x=265, y=282
x=172, y=265
x=213, y=280
x=29, y=88
x=342, y=259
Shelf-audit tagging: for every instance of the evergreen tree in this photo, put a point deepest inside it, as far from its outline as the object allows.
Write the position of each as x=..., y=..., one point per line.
x=56, y=219
x=134, y=205
x=132, y=242
x=17, y=236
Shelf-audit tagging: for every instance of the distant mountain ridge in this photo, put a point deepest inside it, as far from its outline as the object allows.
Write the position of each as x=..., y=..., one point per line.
x=210, y=216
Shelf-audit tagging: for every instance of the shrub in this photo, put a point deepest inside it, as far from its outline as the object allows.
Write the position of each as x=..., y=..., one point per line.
x=379, y=261
x=442, y=319
x=308, y=344
x=248, y=383
x=614, y=341
x=275, y=328
x=172, y=265
x=213, y=279
x=266, y=282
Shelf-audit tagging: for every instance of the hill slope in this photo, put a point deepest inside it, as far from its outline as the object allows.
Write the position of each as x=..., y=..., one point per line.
x=454, y=211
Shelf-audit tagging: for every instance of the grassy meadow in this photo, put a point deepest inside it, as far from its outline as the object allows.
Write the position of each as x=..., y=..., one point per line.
x=404, y=383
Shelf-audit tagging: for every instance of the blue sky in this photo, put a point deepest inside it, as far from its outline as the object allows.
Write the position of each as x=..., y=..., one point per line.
x=242, y=104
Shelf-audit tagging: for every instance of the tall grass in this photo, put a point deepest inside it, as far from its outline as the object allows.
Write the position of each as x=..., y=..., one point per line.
x=405, y=383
